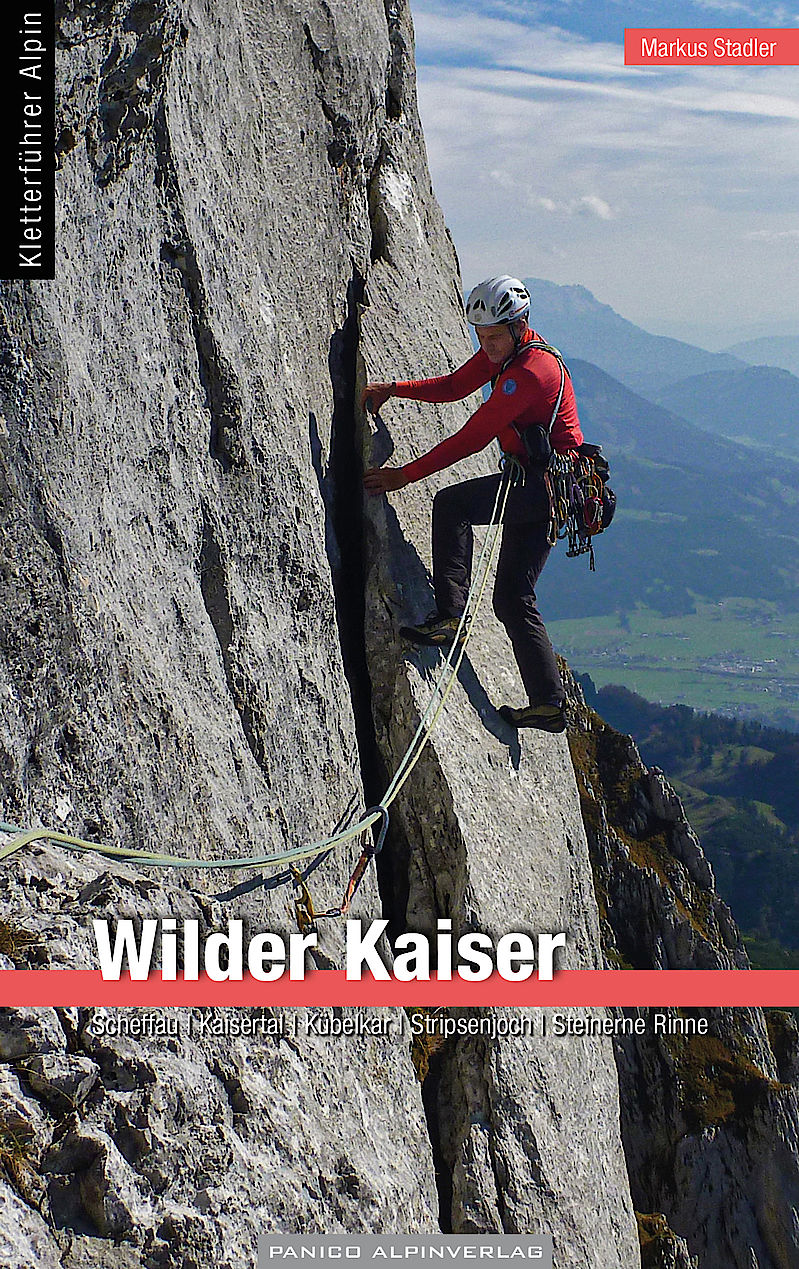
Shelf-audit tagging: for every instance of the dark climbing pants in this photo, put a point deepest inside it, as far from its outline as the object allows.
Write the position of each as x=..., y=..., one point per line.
x=522, y=556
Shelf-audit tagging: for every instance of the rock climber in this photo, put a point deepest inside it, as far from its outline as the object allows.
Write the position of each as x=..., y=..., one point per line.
x=526, y=383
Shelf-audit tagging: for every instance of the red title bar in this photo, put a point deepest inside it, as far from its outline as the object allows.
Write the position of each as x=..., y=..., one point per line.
x=697, y=988
x=712, y=46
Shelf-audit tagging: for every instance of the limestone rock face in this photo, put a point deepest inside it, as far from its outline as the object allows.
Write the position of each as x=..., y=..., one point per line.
x=185, y=1138
x=183, y=591
x=178, y=669
x=660, y=1246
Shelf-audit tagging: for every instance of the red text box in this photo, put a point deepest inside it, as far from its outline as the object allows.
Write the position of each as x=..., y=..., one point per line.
x=711, y=46
x=697, y=988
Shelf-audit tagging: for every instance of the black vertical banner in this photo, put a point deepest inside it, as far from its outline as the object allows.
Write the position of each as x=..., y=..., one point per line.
x=27, y=140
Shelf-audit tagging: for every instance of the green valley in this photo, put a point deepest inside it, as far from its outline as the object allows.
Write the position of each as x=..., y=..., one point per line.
x=737, y=657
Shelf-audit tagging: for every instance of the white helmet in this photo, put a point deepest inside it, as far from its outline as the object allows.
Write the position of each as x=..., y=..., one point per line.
x=496, y=301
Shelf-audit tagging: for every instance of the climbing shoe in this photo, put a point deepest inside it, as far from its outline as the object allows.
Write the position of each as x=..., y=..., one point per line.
x=435, y=631
x=544, y=717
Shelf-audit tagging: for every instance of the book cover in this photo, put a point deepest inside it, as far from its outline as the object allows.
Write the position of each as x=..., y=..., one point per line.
x=303, y=945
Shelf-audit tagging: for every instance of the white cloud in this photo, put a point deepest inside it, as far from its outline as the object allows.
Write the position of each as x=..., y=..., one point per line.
x=589, y=204
x=770, y=15
x=595, y=205
x=699, y=90
x=444, y=33
x=773, y=235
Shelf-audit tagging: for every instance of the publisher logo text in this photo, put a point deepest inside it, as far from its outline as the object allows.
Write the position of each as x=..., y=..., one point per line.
x=419, y=1251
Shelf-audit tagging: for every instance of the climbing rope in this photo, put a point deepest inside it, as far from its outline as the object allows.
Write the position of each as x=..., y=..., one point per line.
x=512, y=473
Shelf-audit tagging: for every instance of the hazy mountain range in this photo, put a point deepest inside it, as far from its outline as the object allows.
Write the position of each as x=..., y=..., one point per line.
x=773, y=350
x=700, y=515
x=576, y=322
x=755, y=403
x=758, y=405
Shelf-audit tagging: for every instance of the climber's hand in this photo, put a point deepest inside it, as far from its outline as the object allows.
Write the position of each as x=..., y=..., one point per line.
x=380, y=480
x=375, y=395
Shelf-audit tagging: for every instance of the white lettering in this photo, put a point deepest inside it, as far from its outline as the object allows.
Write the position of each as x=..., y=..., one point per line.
x=138, y=955
x=507, y=957
x=482, y=965
x=546, y=948
x=414, y=963
x=362, y=952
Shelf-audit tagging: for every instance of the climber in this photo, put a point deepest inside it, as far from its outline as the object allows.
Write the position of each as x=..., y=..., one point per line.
x=525, y=391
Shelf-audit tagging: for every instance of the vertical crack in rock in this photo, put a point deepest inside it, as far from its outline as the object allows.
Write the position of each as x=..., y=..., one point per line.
x=216, y=598
x=398, y=63
x=424, y=879
x=342, y=494
x=215, y=372
x=431, y=1090
x=436, y=1088
x=343, y=497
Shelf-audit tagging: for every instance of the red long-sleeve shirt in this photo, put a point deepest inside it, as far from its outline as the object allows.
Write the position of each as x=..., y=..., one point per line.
x=525, y=393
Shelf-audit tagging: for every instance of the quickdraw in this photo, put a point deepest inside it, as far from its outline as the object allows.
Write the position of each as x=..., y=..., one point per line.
x=581, y=501
x=369, y=852
x=305, y=912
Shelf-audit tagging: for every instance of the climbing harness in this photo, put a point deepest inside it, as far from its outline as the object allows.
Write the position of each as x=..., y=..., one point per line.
x=512, y=474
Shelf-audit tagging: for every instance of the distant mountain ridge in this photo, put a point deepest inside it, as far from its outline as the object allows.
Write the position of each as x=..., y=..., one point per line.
x=581, y=326
x=757, y=405
x=751, y=404
x=770, y=350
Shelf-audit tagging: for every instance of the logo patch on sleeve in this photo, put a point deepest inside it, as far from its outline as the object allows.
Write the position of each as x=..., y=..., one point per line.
x=509, y=387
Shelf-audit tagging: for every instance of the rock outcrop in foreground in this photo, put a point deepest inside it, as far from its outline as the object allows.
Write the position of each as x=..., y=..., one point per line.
x=710, y=1122
x=198, y=653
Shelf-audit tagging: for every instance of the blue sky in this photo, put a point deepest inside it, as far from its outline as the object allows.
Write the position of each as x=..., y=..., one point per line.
x=669, y=193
